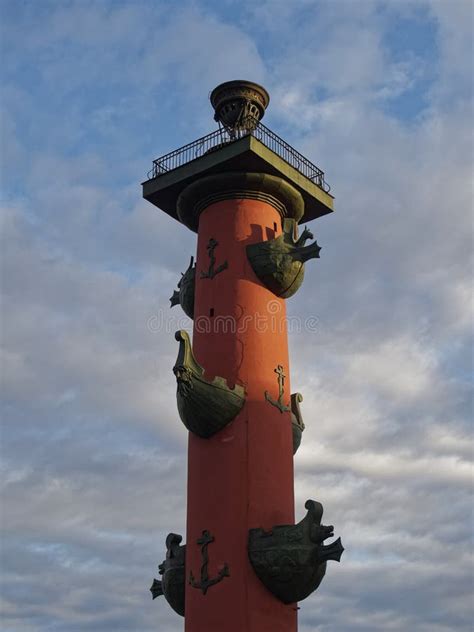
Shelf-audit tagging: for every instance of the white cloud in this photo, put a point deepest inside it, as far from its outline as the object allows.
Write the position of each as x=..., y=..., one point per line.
x=95, y=454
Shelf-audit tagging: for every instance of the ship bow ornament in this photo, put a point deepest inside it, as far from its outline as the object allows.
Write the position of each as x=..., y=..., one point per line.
x=184, y=295
x=204, y=407
x=290, y=560
x=172, y=571
x=279, y=263
x=297, y=423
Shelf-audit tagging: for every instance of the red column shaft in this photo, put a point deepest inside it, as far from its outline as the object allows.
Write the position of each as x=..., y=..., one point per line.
x=242, y=477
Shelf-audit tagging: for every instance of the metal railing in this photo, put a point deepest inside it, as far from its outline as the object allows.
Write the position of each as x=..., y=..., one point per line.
x=215, y=140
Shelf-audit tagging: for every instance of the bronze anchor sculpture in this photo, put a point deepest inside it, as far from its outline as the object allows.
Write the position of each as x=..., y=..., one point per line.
x=206, y=582
x=213, y=271
x=281, y=382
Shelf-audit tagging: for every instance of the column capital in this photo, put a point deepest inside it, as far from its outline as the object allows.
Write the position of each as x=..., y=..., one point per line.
x=277, y=192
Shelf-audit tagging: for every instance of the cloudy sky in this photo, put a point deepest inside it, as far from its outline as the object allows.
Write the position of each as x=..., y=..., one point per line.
x=379, y=95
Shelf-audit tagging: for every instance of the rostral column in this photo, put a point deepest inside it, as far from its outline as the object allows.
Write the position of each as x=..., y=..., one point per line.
x=244, y=191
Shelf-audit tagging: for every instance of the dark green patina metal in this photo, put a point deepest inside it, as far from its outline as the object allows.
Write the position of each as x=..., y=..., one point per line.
x=213, y=270
x=278, y=403
x=290, y=560
x=239, y=105
x=279, y=263
x=297, y=423
x=204, y=407
x=172, y=570
x=206, y=582
x=185, y=294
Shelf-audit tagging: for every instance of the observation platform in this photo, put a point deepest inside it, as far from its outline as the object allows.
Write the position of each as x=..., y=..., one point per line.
x=245, y=150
